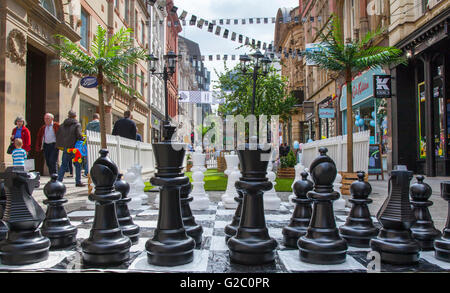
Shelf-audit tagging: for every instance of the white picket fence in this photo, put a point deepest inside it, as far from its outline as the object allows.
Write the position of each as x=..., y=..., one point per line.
x=124, y=152
x=337, y=150
x=211, y=159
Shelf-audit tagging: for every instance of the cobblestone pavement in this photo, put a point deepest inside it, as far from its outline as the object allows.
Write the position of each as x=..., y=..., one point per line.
x=77, y=196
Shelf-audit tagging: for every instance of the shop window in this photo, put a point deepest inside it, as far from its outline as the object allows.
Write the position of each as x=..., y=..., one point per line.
x=421, y=115
x=439, y=107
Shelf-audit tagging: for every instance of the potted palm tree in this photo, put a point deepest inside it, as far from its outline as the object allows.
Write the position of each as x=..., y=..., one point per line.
x=189, y=163
x=109, y=58
x=348, y=59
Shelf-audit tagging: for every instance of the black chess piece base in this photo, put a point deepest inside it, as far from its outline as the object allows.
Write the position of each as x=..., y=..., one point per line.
x=252, y=244
x=106, y=245
x=3, y=231
x=24, y=247
x=396, y=247
x=442, y=249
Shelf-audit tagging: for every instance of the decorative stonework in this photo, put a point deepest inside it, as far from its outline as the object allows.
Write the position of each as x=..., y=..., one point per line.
x=66, y=78
x=16, y=46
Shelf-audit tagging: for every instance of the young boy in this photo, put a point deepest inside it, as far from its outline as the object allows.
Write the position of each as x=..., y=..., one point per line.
x=19, y=155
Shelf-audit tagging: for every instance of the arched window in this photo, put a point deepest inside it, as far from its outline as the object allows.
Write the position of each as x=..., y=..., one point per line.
x=49, y=5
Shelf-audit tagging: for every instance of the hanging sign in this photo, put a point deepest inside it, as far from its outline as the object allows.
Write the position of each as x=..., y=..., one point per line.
x=89, y=82
x=382, y=86
x=326, y=113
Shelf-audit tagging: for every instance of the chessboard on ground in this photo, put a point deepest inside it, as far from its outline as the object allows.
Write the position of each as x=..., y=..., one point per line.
x=213, y=256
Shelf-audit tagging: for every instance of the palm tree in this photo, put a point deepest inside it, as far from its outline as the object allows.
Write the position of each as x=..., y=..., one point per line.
x=108, y=62
x=346, y=59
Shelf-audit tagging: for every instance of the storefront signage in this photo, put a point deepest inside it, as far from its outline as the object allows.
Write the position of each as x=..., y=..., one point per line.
x=89, y=82
x=375, y=163
x=362, y=87
x=326, y=113
x=382, y=86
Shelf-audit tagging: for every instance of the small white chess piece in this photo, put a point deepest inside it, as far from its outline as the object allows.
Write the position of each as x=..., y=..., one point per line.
x=201, y=199
x=233, y=174
x=271, y=200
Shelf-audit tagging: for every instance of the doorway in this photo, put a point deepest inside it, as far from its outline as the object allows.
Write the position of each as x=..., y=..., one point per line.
x=35, y=100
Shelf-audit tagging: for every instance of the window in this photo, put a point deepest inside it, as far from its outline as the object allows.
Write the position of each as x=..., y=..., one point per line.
x=116, y=4
x=49, y=5
x=84, y=29
x=142, y=83
x=127, y=13
x=143, y=33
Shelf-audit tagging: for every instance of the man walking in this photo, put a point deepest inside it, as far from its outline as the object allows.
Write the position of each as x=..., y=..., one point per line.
x=125, y=127
x=68, y=134
x=46, y=141
x=94, y=125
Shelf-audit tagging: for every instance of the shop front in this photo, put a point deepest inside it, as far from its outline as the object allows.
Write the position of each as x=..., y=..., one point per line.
x=421, y=103
x=327, y=115
x=156, y=128
x=369, y=113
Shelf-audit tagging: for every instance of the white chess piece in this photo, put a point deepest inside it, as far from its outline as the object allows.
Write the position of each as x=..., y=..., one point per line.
x=339, y=205
x=233, y=174
x=299, y=168
x=271, y=200
x=139, y=182
x=200, y=198
x=134, y=194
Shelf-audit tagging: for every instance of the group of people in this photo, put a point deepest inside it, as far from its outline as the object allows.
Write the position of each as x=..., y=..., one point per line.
x=53, y=137
x=284, y=149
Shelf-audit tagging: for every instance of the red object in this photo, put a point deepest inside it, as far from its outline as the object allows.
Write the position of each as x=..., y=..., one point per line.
x=26, y=138
x=41, y=133
x=76, y=152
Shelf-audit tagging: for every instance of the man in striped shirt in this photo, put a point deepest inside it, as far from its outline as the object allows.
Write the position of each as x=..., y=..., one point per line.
x=19, y=155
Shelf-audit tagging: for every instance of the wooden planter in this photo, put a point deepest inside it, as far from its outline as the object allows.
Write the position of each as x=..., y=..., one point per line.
x=348, y=179
x=221, y=163
x=188, y=167
x=286, y=172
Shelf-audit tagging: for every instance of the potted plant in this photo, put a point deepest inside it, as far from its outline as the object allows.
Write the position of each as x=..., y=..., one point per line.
x=287, y=165
x=189, y=163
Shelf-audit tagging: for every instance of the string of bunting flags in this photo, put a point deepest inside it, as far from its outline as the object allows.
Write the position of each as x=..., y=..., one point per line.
x=242, y=39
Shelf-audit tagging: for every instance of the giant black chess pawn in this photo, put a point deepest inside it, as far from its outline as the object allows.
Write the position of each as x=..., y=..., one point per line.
x=302, y=212
x=231, y=229
x=193, y=229
x=252, y=244
x=423, y=230
x=57, y=226
x=3, y=227
x=442, y=245
x=24, y=243
x=106, y=244
x=170, y=245
x=322, y=243
x=395, y=242
x=128, y=227
x=359, y=228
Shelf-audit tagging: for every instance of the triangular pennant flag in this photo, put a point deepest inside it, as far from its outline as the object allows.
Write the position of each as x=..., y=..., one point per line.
x=304, y=19
x=236, y=21
x=247, y=40
x=203, y=58
x=253, y=42
x=225, y=57
x=243, y=21
x=258, y=45
x=228, y=21
x=200, y=23
x=210, y=27
x=225, y=34
x=206, y=23
x=169, y=23
x=182, y=15
x=210, y=57
x=319, y=18
x=233, y=57
x=184, y=22
x=193, y=20
x=266, y=20
x=233, y=36
x=250, y=20
x=264, y=46
x=273, y=20
x=221, y=21
x=258, y=20
x=218, y=30
x=241, y=39
x=214, y=22
x=311, y=19
x=296, y=19
x=270, y=47
x=218, y=57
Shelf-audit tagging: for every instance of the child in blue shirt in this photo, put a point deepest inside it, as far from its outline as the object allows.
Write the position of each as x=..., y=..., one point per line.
x=19, y=155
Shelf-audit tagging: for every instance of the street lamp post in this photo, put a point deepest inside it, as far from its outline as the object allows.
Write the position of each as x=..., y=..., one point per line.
x=168, y=71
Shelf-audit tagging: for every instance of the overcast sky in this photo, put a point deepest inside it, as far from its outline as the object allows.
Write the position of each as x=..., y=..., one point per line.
x=211, y=44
